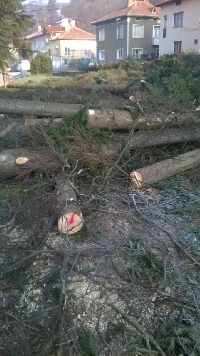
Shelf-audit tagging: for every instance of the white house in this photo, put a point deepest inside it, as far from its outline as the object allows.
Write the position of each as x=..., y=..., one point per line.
x=180, y=26
x=40, y=38
x=63, y=43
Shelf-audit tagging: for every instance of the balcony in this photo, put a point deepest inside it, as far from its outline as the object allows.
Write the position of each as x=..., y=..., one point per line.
x=155, y=41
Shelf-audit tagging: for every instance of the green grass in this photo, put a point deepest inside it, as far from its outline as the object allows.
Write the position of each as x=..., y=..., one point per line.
x=40, y=79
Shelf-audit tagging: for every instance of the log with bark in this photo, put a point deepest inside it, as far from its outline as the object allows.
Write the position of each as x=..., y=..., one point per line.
x=161, y=170
x=110, y=88
x=22, y=161
x=114, y=119
x=164, y=136
x=122, y=120
x=29, y=107
x=70, y=218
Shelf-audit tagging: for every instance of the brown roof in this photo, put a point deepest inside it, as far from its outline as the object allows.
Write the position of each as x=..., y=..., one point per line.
x=50, y=28
x=41, y=32
x=137, y=9
x=35, y=33
x=163, y=2
x=75, y=33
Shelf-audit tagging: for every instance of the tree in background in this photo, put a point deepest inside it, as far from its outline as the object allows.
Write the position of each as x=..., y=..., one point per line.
x=41, y=64
x=13, y=24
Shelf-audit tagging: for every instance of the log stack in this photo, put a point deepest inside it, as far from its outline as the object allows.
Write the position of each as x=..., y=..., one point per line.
x=137, y=132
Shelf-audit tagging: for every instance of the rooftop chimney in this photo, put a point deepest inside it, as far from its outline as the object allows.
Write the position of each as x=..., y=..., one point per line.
x=39, y=27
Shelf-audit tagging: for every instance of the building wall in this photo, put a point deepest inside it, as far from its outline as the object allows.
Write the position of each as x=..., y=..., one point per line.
x=188, y=33
x=146, y=42
x=38, y=44
x=78, y=48
x=111, y=44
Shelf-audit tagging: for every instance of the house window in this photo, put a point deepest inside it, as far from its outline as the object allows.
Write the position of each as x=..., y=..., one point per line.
x=178, y=2
x=120, y=53
x=138, y=19
x=165, y=21
x=156, y=31
x=102, y=55
x=178, y=19
x=120, y=32
x=67, y=51
x=177, y=46
x=138, y=31
x=87, y=53
x=102, y=34
x=137, y=53
x=49, y=52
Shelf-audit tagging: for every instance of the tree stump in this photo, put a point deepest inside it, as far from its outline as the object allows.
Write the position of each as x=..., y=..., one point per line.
x=70, y=218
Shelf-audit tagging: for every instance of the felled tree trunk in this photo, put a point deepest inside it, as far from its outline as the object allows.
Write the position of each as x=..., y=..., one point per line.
x=70, y=218
x=163, y=137
x=28, y=107
x=164, y=169
x=122, y=120
x=21, y=161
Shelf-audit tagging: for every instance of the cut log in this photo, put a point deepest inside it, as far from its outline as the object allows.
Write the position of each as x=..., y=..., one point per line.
x=102, y=119
x=161, y=170
x=163, y=137
x=21, y=161
x=111, y=88
x=70, y=218
x=39, y=108
x=122, y=120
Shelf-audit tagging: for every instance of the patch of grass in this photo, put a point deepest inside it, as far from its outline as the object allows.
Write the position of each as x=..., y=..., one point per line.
x=143, y=265
x=179, y=334
x=87, y=342
x=81, y=236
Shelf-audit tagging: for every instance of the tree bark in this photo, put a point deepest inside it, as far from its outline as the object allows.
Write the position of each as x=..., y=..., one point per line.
x=163, y=137
x=122, y=120
x=164, y=169
x=70, y=218
x=6, y=79
x=21, y=161
x=102, y=119
x=28, y=107
x=111, y=88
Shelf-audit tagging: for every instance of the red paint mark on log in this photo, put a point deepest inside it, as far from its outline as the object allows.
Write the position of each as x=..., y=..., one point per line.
x=71, y=219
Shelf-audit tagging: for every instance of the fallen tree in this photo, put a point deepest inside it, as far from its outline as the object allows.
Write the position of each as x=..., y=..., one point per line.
x=102, y=119
x=123, y=120
x=70, y=218
x=164, y=136
x=28, y=107
x=22, y=161
x=161, y=170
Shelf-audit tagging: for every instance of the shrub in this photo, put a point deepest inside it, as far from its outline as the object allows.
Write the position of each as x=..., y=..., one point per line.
x=41, y=64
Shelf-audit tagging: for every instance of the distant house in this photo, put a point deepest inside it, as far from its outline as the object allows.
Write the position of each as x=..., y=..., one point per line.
x=41, y=37
x=180, y=26
x=63, y=43
x=129, y=32
x=72, y=44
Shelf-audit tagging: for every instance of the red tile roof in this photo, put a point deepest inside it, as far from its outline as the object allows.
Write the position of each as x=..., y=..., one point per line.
x=34, y=34
x=75, y=33
x=50, y=28
x=137, y=9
